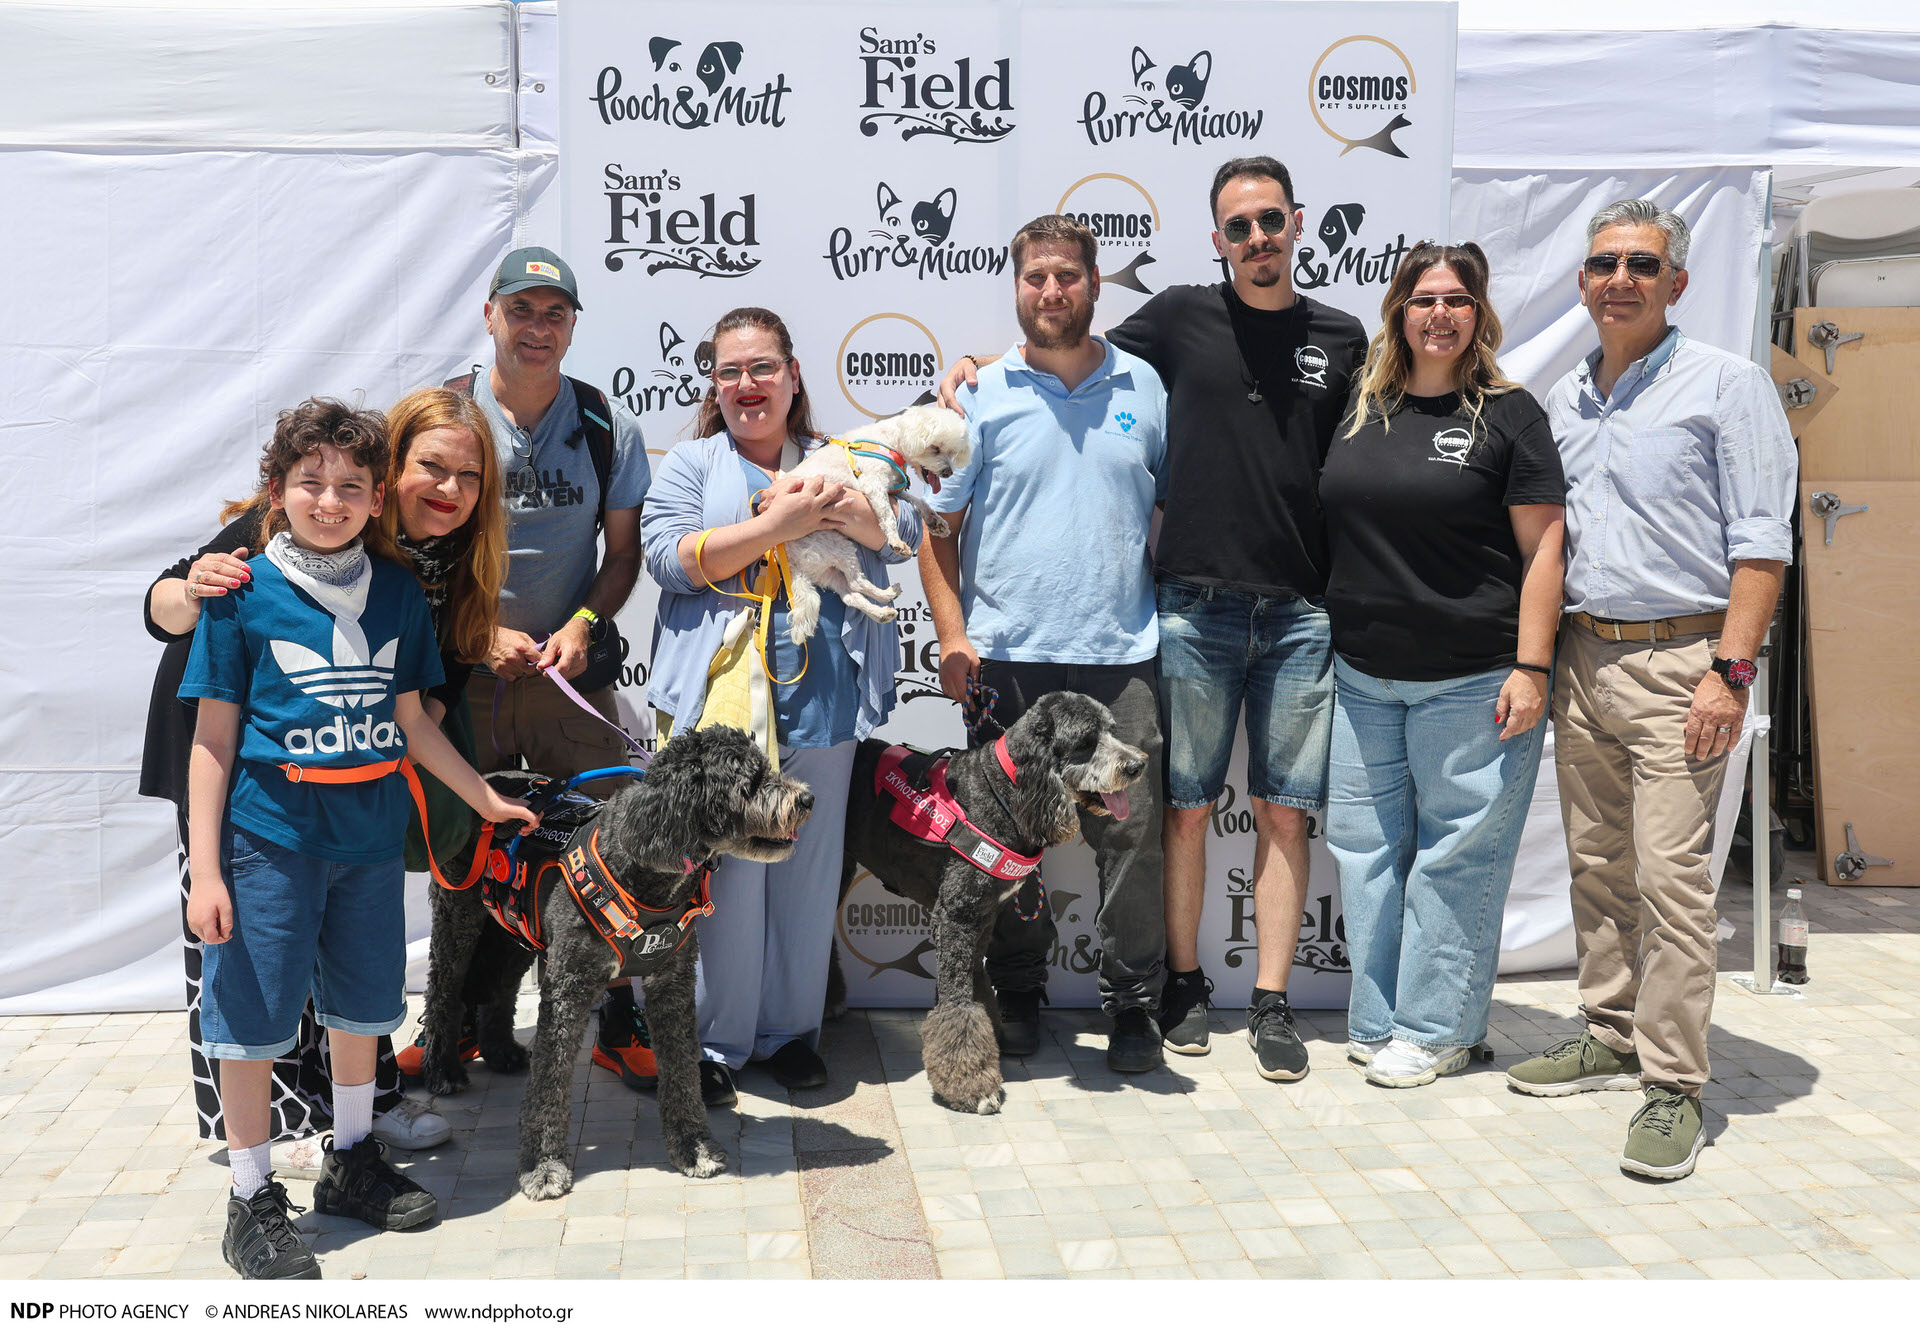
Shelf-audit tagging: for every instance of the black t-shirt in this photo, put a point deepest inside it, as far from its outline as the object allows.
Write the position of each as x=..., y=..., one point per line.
x=1425, y=576
x=1241, y=511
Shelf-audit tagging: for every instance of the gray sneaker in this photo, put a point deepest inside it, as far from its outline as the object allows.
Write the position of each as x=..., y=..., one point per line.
x=1183, y=1012
x=1578, y=1063
x=1666, y=1135
x=1278, y=1051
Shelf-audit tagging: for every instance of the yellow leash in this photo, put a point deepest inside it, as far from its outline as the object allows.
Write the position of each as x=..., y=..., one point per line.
x=777, y=577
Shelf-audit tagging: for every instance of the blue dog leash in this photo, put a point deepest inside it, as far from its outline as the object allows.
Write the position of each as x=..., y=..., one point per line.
x=552, y=793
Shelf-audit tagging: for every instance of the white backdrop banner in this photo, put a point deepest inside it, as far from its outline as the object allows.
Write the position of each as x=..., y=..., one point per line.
x=862, y=176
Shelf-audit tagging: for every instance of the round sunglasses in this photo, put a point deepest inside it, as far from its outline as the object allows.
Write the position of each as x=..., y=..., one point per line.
x=1236, y=229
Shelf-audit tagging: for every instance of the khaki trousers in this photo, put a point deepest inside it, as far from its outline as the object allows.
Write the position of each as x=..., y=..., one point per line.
x=1639, y=821
x=545, y=728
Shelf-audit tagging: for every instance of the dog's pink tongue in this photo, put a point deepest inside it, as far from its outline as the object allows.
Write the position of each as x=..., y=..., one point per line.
x=933, y=482
x=1116, y=802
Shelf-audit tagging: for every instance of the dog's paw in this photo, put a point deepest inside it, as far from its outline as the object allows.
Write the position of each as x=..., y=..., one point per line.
x=444, y=1081
x=701, y=1158
x=938, y=526
x=547, y=1180
x=885, y=614
x=990, y=1104
x=836, y=1008
x=512, y=1057
x=890, y=595
x=899, y=547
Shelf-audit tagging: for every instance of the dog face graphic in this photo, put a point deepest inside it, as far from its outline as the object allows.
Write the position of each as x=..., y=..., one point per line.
x=930, y=220
x=1340, y=223
x=717, y=62
x=1185, y=84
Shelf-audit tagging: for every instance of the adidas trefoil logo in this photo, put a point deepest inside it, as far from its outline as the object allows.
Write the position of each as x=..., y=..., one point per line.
x=354, y=678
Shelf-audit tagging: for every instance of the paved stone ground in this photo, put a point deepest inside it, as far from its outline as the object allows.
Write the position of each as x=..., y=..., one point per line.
x=1200, y=1170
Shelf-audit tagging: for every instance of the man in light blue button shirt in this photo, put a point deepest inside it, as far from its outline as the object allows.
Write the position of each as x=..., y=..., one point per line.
x=1680, y=484
x=1046, y=584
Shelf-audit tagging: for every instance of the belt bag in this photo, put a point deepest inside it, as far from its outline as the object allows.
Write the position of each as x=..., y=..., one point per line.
x=606, y=653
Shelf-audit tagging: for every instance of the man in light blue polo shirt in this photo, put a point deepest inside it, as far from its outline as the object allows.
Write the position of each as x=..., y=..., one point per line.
x=1680, y=474
x=1047, y=584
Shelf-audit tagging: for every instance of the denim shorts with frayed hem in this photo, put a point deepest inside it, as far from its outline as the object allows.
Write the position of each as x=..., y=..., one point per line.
x=303, y=927
x=1219, y=649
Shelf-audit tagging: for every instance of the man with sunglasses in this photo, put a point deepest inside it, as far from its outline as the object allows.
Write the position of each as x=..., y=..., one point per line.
x=1680, y=472
x=561, y=590
x=1257, y=378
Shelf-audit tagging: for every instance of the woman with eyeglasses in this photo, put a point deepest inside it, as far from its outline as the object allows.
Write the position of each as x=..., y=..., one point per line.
x=1443, y=496
x=720, y=502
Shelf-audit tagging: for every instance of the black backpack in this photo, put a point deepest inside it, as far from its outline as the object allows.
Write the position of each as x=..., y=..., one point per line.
x=595, y=422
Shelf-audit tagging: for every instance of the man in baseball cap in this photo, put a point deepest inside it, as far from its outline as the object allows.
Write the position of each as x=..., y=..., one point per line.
x=532, y=267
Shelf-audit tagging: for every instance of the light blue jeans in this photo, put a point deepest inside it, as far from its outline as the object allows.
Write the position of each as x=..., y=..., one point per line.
x=1425, y=806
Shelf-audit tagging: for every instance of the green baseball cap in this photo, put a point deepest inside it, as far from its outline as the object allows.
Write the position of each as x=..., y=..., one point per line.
x=533, y=267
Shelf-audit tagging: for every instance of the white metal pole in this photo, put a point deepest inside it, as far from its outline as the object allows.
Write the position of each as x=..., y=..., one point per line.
x=1762, y=841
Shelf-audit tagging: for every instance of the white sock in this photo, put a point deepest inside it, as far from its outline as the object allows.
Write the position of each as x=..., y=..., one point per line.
x=352, y=1114
x=251, y=1165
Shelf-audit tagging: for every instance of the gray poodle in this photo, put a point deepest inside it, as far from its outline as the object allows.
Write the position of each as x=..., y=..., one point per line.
x=708, y=793
x=1067, y=758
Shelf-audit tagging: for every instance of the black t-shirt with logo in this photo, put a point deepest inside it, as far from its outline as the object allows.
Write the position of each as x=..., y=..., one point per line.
x=1241, y=511
x=1424, y=582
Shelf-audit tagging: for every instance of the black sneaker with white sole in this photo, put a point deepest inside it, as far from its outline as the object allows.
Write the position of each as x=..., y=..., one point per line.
x=717, y=1090
x=1183, y=1012
x=1134, y=1045
x=359, y=1183
x=261, y=1242
x=1278, y=1051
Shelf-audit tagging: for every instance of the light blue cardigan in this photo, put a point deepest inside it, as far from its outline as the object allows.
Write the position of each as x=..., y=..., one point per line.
x=700, y=485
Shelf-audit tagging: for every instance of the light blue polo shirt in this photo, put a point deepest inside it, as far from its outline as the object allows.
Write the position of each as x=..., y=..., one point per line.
x=1059, y=494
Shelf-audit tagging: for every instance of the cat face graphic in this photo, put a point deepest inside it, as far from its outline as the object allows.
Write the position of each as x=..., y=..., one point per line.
x=931, y=219
x=1185, y=84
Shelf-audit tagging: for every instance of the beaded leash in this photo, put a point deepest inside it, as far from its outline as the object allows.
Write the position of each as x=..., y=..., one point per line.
x=976, y=713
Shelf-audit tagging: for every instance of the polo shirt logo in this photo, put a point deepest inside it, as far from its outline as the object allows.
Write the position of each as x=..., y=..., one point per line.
x=1125, y=420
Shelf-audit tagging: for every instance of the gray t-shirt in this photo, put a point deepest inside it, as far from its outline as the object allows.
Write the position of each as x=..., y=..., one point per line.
x=552, y=495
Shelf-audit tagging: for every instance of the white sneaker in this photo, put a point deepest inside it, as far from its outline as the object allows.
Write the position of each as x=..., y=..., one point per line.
x=1403, y=1063
x=411, y=1126
x=298, y=1157
x=1363, y=1052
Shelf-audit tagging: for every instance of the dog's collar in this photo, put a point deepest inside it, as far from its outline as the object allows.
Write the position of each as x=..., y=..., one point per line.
x=1006, y=760
x=866, y=448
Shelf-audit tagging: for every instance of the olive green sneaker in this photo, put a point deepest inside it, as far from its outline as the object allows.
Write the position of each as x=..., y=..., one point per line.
x=1665, y=1136
x=1578, y=1063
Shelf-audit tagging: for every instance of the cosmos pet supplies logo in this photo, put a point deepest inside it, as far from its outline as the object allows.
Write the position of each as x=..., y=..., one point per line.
x=678, y=380
x=907, y=84
x=1167, y=97
x=888, y=362
x=1359, y=92
x=1342, y=257
x=718, y=87
x=656, y=221
x=913, y=236
x=1123, y=218
x=1452, y=445
x=886, y=933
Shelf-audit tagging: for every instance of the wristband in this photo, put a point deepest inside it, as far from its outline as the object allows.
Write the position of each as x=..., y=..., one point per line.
x=586, y=614
x=1536, y=669
x=974, y=360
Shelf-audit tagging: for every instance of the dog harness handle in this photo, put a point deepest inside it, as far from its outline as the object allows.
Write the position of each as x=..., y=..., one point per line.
x=933, y=815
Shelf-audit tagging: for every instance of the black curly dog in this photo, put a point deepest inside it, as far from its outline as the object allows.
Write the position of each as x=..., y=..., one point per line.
x=709, y=792
x=1066, y=756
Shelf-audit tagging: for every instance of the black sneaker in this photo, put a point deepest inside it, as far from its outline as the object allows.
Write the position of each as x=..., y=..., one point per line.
x=1183, y=1012
x=261, y=1242
x=797, y=1067
x=1134, y=1045
x=623, y=1046
x=1019, y=1021
x=716, y=1084
x=1278, y=1051
x=359, y=1183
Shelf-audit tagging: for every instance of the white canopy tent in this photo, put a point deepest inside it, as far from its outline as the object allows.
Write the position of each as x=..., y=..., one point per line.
x=220, y=210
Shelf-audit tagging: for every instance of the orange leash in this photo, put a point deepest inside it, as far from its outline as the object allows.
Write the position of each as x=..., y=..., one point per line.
x=349, y=776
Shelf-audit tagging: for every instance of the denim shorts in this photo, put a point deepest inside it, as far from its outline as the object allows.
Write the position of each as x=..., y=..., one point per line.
x=303, y=927
x=1220, y=648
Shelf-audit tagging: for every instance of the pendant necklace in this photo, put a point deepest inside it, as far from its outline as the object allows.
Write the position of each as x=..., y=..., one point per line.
x=1247, y=376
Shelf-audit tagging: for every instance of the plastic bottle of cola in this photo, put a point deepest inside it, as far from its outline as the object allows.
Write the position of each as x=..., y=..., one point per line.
x=1792, y=964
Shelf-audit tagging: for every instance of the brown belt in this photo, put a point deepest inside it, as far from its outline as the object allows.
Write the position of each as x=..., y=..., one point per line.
x=1650, y=630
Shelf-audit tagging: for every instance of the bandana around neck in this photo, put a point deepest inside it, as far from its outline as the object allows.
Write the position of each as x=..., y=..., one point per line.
x=338, y=581
x=434, y=560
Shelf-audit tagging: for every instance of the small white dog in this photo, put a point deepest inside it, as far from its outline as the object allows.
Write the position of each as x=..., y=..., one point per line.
x=932, y=441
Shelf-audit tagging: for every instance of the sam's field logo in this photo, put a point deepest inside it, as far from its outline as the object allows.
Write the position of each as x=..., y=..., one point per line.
x=1359, y=92
x=677, y=381
x=656, y=221
x=1123, y=218
x=887, y=362
x=1342, y=256
x=913, y=236
x=907, y=85
x=689, y=91
x=1167, y=97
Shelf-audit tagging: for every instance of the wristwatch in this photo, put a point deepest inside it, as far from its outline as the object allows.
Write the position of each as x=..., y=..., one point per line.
x=1739, y=674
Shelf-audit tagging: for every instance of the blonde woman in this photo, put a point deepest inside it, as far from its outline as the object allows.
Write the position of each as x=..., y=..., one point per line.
x=1443, y=496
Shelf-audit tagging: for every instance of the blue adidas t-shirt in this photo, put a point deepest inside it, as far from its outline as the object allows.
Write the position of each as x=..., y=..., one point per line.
x=318, y=692
x=1060, y=494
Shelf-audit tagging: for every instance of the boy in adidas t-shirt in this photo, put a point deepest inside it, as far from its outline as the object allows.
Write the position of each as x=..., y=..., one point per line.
x=309, y=675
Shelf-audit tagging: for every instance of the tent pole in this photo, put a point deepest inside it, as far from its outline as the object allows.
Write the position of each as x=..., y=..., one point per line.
x=1762, y=843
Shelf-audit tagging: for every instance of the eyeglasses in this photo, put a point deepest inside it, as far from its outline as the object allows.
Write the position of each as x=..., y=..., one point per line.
x=758, y=371
x=1237, y=229
x=1641, y=267
x=1457, y=301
